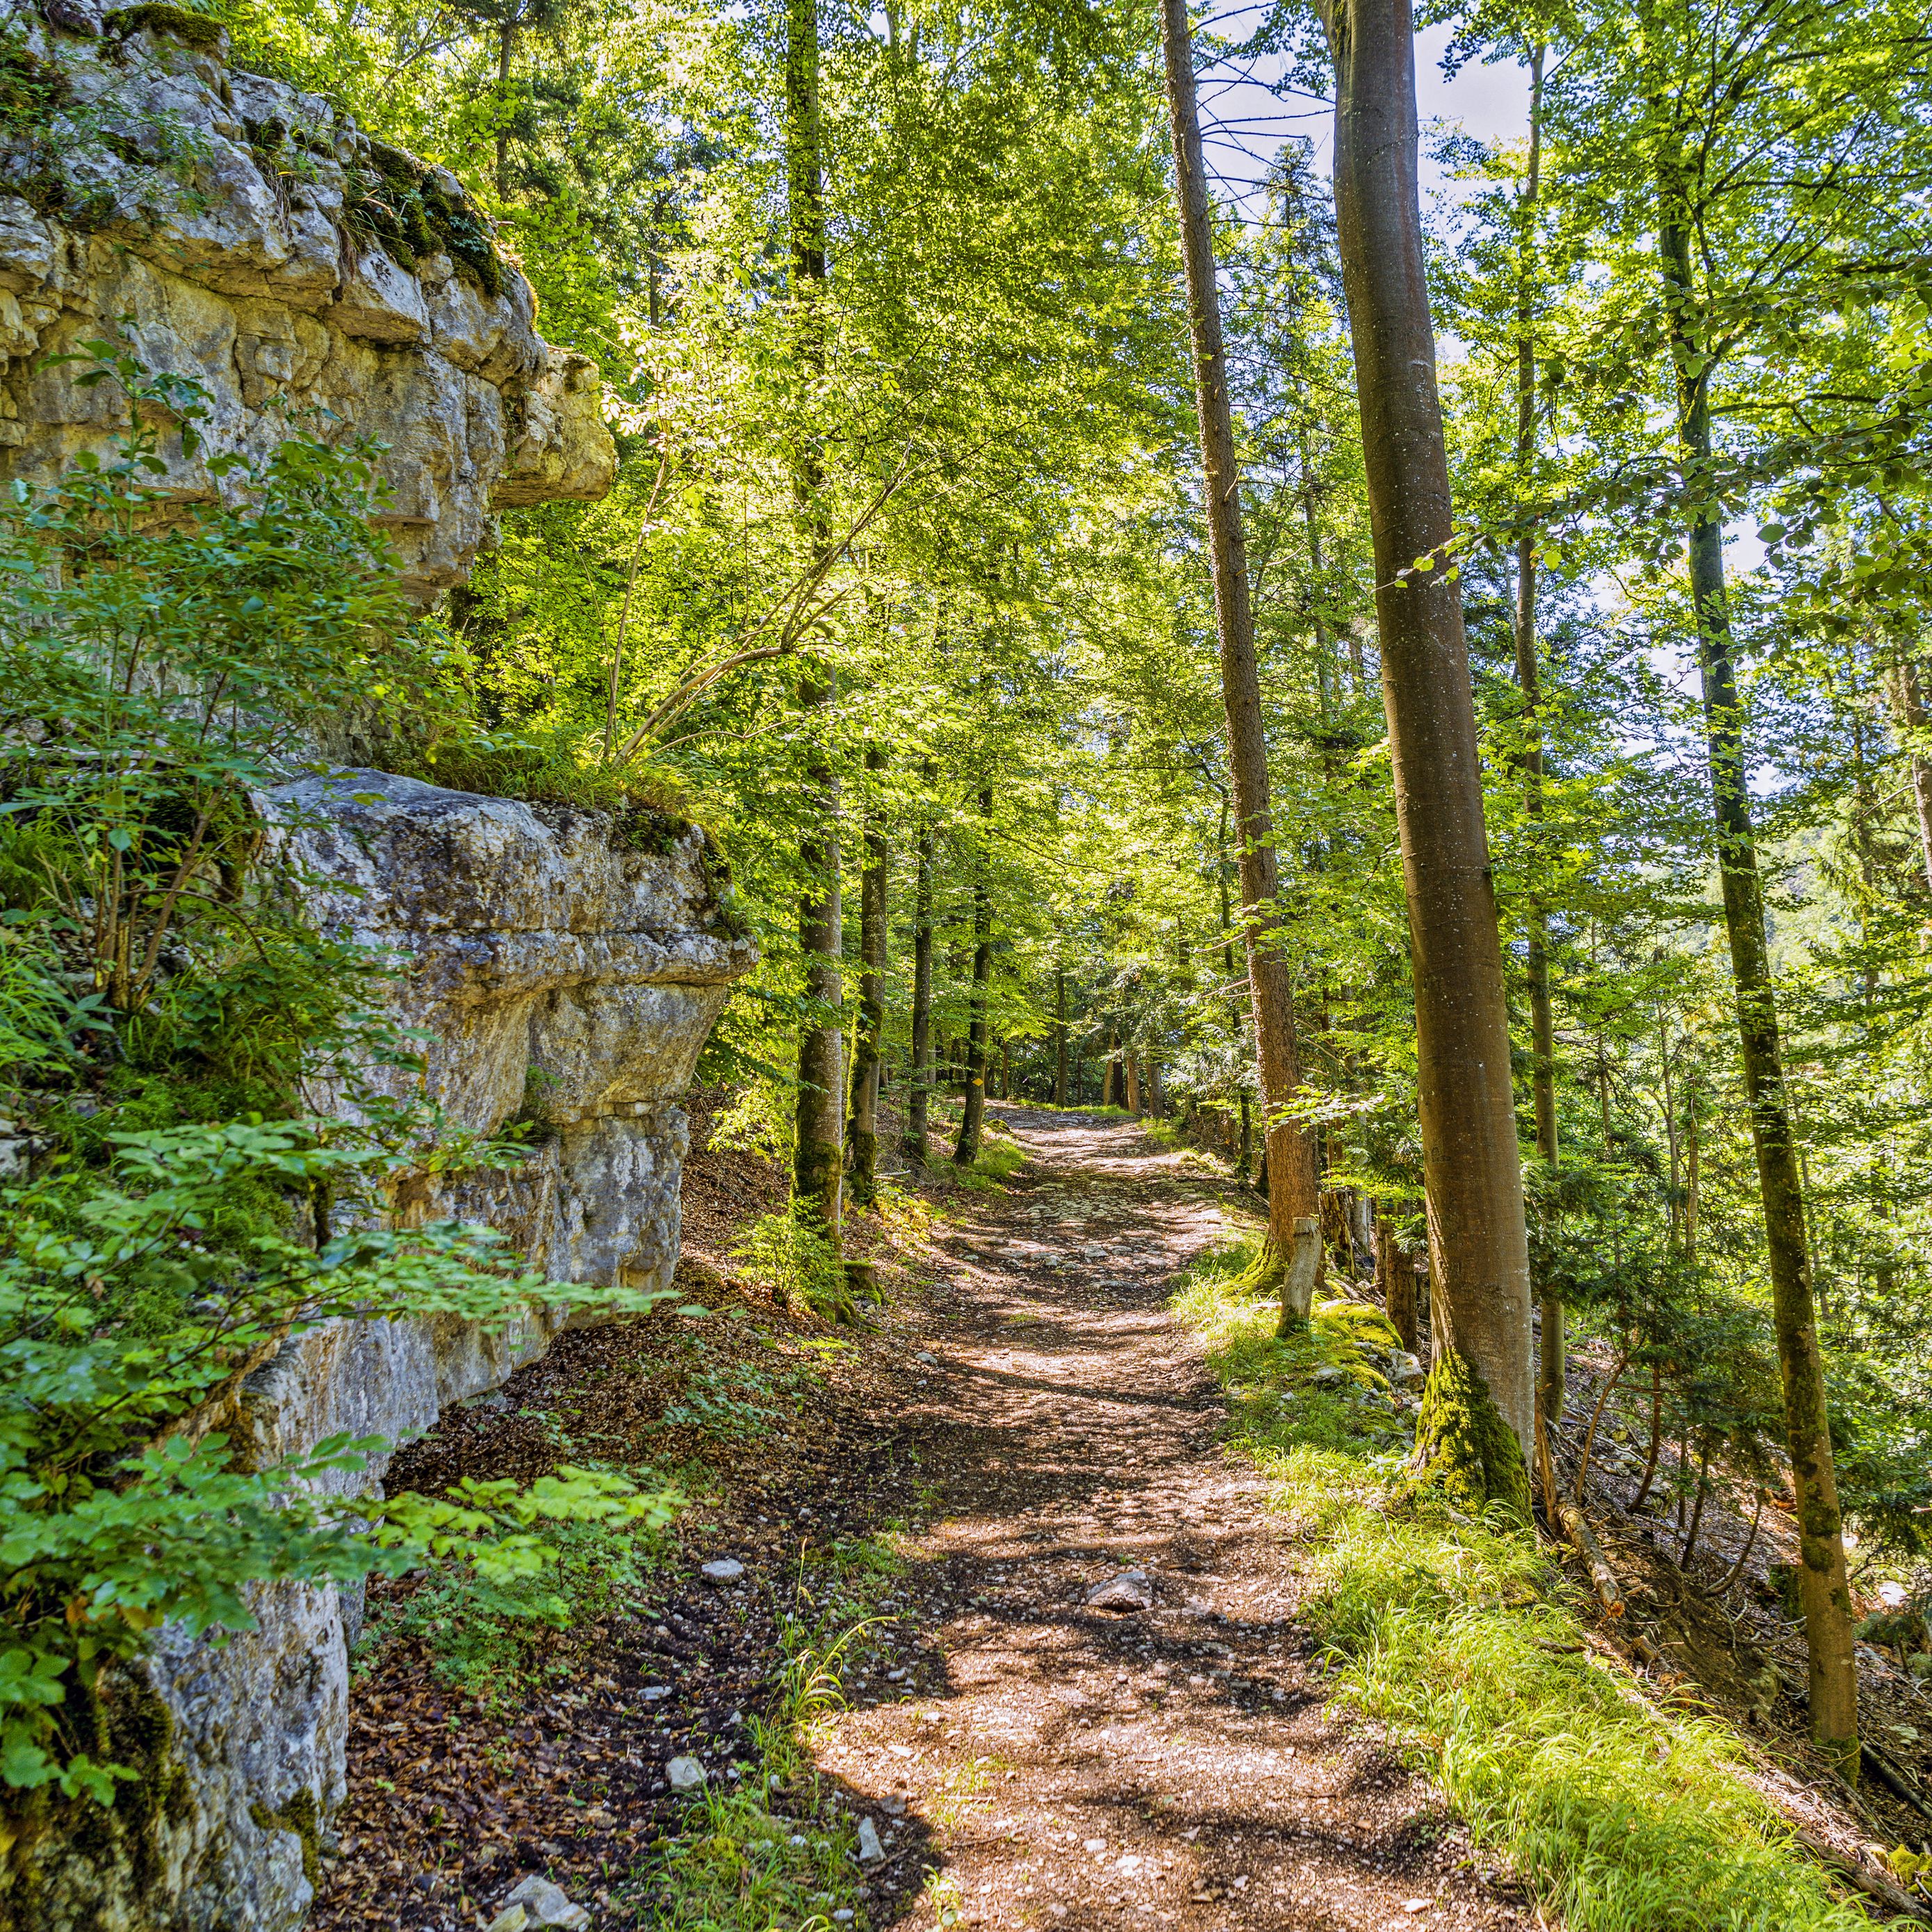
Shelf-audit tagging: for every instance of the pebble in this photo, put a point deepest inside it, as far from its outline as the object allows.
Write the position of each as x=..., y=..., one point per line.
x=685, y=1773
x=870, y=1850
x=651, y=1692
x=725, y=1570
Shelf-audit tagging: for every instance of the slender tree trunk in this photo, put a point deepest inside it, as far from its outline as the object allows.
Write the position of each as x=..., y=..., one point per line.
x=863, y=1131
x=972, y=1115
x=1396, y=1266
x=1909, y=702
x=506, y=42
x=1550, y=1360
x=818, y=1164
x=1059, y=1036
x=1472, y=1172
x=1291, y=1257
x=1825, y=1594
x=818, y=1170
x=1130, y=1068
x=919, y=1084
x=1006, y=1069
x=1156, y=1099
x=1245, y=1154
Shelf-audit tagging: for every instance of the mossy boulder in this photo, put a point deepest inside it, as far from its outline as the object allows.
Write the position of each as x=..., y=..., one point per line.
x=1463, y=1446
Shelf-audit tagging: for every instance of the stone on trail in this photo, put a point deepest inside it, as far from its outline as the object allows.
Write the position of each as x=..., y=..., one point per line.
x=1129, y=1591
x=685, y=1773
x=725, y=1570
x=870, y=1850
x=536, y=1902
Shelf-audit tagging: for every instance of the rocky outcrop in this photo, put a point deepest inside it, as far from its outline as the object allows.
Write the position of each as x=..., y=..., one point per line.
x=235, y=230
x=559, y=964
x=229, y=229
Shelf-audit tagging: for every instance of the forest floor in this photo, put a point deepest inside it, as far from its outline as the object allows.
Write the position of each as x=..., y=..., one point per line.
x=922, y=1506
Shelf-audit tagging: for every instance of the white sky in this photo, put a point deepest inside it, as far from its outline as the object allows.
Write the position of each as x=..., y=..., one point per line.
x=1244, y=124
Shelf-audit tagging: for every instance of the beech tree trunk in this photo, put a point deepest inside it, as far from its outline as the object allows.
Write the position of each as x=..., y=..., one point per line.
x=1550, y=1361
x=1824, y=1591
x=862, y=1130
x=972, y=1114
x=919, y=1082
x=1472, y=1171
x=818, y=1162
x=1291, y=1256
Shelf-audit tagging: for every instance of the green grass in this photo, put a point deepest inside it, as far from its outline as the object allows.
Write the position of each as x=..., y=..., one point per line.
x=1465, y=1641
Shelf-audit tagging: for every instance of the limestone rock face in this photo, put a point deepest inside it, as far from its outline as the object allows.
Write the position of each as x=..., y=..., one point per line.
x=564, y=959
x=225, y=225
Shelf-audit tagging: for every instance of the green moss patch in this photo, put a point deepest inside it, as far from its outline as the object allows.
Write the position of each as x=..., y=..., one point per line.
x=192, y=29
x=1463, y=1446
x=395, y=200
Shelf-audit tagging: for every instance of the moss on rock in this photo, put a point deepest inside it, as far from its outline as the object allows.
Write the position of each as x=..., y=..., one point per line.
x=1463, y=1446
x=198, y=31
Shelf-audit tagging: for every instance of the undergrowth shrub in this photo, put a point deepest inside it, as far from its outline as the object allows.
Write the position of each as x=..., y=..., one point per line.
x=484, y=1633
x=790, y=1253
x=1458, y=1634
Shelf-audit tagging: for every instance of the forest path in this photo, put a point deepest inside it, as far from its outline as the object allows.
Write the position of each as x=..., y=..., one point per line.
x=1057, y=1765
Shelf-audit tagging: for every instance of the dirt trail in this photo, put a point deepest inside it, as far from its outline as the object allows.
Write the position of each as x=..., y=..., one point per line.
x=1059, y=1764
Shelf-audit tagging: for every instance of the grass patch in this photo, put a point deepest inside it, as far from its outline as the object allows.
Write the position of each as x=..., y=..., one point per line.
x=1465, y=1640
x=1000, y=1158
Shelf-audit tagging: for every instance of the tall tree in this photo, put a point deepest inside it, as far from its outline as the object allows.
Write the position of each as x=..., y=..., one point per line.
x=1472, y=1171
x=818, y=1162
x=919, y=1080
x=868, y=1052
x=973, y=1109
x=1824, y=1591
x=1291, y=1256
x=1549, y=1372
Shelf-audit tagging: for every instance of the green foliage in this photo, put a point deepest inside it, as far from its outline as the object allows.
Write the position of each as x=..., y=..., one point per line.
x=1456, y=1633
x=165, y=1012
x=481, y=1624
x=790, y=1253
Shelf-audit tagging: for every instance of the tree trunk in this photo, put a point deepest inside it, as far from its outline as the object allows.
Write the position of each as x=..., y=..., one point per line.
x=1130, y=1067
x=506, y=41
x=1006, y=1069
x=1824, y=1593
x=1156, y=1099
x=1472, y=1172
x=1059, y=1037
x=1247, y=1149
x=1542, y=1022
x=1909, y=702
x=863, y=1131
x=1290, y=1258
x=972, y=1114
x=818, y=1162
x=1396, y=1268
x=919, y=1084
